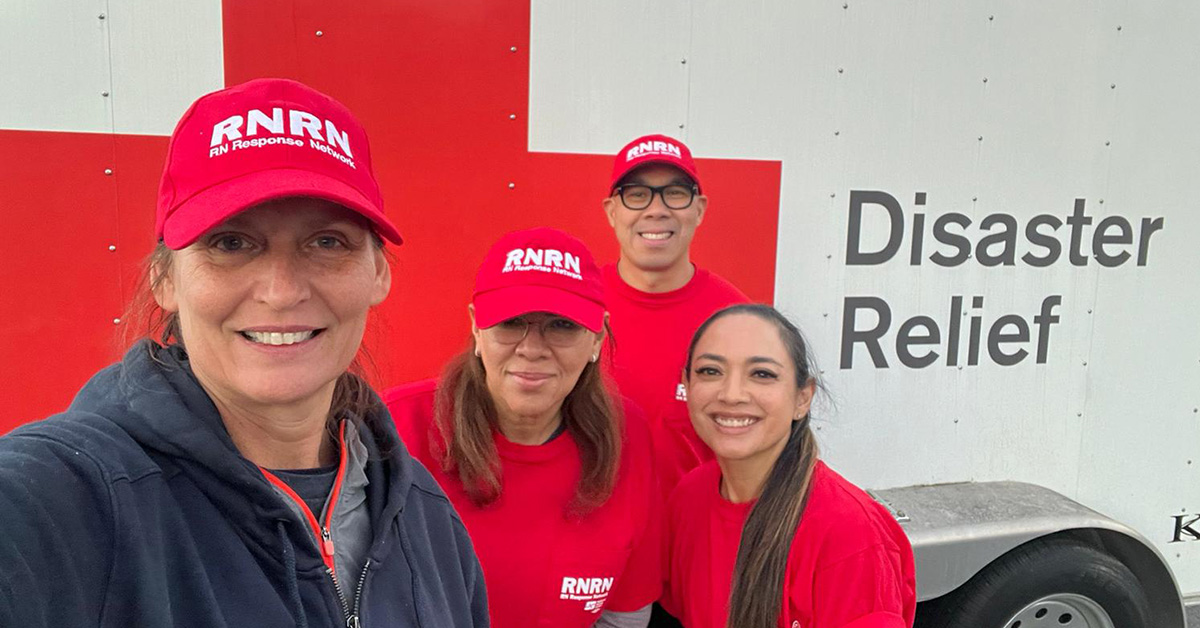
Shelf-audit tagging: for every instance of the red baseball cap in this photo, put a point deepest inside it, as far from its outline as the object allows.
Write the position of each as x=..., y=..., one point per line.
x=653, y=149
x=539, y=270
x=259, y=141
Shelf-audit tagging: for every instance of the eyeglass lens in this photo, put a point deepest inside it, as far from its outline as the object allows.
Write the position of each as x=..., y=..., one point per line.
x=556, y=330
x=673, y=196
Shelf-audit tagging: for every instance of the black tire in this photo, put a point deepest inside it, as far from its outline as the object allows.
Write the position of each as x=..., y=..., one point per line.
x=1033, y=571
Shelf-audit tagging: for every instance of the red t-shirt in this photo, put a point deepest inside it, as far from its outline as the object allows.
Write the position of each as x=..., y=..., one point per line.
x=543, y=569
x=850, y=563
x=652, y=332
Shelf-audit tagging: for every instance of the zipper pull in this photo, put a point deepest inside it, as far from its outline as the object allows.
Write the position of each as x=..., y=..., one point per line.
x=352, y=622
x=326, y=542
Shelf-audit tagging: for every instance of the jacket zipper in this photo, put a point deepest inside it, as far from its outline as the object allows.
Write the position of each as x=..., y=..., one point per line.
x=352, y=619
x=323, y=537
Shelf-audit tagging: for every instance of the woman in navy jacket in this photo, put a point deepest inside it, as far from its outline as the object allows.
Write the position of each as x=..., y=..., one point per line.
x=236, y=472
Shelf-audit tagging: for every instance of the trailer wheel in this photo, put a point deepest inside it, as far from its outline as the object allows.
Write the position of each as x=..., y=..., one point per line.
x=1057, y=582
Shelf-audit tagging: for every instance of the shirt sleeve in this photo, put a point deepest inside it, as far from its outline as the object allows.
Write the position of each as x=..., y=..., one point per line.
x=864, y=590
x=633, y=619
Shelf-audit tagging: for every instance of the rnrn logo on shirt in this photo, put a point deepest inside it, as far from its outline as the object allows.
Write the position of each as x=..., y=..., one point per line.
x=656, y=147
x=591, y=591
x=543, y=260
x=680, y=392
x=240, y=132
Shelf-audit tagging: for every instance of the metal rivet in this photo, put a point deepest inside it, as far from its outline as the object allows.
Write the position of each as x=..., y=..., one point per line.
x=683, y=61
x=1101, y=201
x=1118, y=28
x=112, y=247
x=1089, y=311
x=320, y=33
x=845, y=5
x=513, y=49
x=108, y=172
x=102, y=16
x=1113, y=86
x=991, y=17
x=1195, y=410
x=981, y=138
x=512, y=116
x=825, y=314
x=960, y=367
x=104, y=94
x=1107, y=143
x=116, y=321
x=512, y=186
x=828, y=256
x=841, y=70
x=832, y=194
x=974, y=198
x=1085, y=363
x=956, y=421
x=837, y=132
x=681, y=126
x=1078, y=414
x=985, y=79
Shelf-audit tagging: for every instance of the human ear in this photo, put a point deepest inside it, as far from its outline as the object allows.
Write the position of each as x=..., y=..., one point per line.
x=475, y=331
x=383, y=278
x=163, y=287
x=610, y=209
x=701, y=205
x=598, y=343
x=804, y=398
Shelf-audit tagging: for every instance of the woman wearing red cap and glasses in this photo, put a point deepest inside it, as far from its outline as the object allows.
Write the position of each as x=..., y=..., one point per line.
x=236, y=472
x=552, y=476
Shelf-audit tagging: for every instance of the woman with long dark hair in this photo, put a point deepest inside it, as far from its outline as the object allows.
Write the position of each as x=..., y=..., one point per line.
x=767, y=535
x=551, y=474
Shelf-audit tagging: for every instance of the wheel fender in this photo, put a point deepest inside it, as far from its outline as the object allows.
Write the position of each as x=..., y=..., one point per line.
x=957, y=530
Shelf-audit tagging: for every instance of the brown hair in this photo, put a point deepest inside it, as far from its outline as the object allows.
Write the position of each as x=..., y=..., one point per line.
x=757, y=595
x=466, y=419
x=352, y=394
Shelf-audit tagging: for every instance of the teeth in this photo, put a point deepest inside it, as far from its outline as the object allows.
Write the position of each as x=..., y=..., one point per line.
x=726, y=422
x=277, y=338
x=656, y=236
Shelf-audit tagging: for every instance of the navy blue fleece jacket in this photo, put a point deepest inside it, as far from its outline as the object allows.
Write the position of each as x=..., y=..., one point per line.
x=134, y=509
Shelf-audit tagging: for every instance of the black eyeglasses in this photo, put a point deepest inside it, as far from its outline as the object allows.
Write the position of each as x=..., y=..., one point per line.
x=674, y=196
x=556, y=330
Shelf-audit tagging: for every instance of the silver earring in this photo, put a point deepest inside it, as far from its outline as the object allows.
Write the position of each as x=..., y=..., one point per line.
x=477, y=353
x=595, y=356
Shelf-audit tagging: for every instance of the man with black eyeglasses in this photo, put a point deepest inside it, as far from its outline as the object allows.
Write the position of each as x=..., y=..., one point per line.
x=656, y=296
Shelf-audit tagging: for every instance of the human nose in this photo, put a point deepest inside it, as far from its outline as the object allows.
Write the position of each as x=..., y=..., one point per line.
x=533, y=343
x=658, y=205
x=732, y=390
x=283, y=283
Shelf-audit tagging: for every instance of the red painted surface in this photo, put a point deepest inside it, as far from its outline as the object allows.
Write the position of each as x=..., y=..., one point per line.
x=434, y=83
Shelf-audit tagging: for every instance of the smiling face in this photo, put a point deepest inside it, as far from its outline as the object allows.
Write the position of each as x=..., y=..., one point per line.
x=530, y=379
x=741, y=390
x=656, y=238
x=272, y=303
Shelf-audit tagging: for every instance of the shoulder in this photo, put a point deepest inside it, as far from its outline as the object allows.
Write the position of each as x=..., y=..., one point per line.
x=718, y=289
x=637, y=427
x=845, y=520
x=411, y=407
x=411, y=395
x=75, y=443
x=697, y=488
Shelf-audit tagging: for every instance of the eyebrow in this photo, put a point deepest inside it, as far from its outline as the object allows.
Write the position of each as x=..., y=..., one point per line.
x=678, y=180
x=757, y=359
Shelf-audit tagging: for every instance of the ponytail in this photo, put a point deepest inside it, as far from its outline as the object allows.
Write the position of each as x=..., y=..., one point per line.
x=766, y=543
